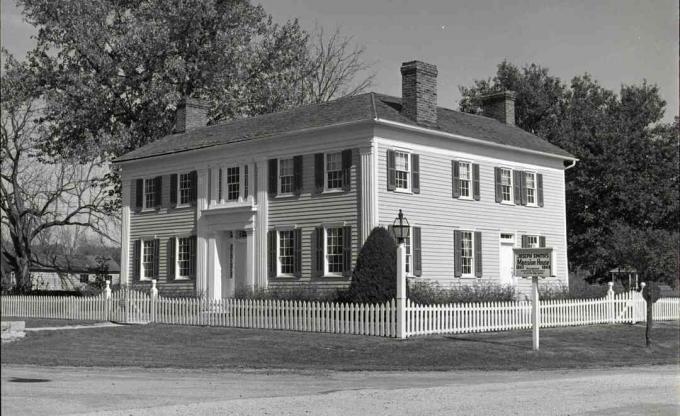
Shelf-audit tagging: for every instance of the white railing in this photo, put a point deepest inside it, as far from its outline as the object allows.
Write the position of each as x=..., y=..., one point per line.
x=342, y=318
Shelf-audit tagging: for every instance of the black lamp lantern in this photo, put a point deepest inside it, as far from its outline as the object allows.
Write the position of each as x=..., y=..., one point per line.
x=401, y=228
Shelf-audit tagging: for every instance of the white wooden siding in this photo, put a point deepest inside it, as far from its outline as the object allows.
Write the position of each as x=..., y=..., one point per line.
x=438, y=214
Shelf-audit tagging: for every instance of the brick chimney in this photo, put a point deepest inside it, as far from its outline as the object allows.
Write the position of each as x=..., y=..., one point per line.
x=191, y=114
x=419, y=92
x=499, y=105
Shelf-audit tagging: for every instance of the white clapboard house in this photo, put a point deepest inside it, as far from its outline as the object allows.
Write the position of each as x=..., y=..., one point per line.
x=287, y=199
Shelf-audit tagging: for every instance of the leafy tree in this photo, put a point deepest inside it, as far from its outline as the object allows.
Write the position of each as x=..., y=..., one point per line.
x=375, y=275
x=628, y=159
x=653, y=253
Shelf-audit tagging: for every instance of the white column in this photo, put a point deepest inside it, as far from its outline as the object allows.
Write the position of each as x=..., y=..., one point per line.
x=250, y=258
x=201, y=237
x=214, y=270
x=125, y=234
x=214, y=185
x=261, y=225
x=401, y=291
x=368, y=192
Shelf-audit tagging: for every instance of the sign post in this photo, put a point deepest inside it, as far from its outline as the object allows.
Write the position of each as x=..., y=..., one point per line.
x=534, y=263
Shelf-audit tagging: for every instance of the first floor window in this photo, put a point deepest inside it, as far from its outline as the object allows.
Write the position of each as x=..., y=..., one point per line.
x=147, y=259
x=185, y=255
x=531, y=188
x=464, y=179
x=184, y=188
x=286, y=176
x=402, y=170
x=467, y=252
x=287, y=252
x=334, y=250
x=149, y=193
x=334, y=170
x=233, y=182
x=506, y=185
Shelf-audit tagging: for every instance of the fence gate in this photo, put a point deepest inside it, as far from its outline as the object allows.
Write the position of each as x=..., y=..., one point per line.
x=130, y=306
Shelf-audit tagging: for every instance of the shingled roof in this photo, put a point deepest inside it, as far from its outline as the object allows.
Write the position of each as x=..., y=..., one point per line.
x=363, y=107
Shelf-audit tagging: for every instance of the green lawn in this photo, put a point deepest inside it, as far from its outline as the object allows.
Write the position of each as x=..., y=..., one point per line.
x=208, y=347
x=39, y=322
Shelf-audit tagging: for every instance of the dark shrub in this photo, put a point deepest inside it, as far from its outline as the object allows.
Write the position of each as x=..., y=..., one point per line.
x=301, y=293
x=428, y=293
x=375, y=275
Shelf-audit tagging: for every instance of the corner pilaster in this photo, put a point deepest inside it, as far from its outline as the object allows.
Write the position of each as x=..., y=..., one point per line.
x=368, y=191
x=125, y=234
x=261, y=224
x=201, y=234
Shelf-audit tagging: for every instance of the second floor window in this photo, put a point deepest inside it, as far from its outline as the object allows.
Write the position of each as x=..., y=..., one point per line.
x=334, y=171
x=531, y=187
x=149, y=193
x=402, y=170
x=464, y=179
x=286, y=176
x=184, y=188
x=506, y=185
x=233, y=182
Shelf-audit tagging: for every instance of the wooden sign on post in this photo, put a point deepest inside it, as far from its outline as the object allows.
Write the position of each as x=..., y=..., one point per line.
x=534, y=263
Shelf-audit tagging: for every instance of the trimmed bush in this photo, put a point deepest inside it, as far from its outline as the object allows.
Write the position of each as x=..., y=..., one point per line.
x=430, y=293
x=301, y=293
x=375, y=275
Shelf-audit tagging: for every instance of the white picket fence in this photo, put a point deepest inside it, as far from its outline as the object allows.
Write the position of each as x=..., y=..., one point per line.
x=343, y=318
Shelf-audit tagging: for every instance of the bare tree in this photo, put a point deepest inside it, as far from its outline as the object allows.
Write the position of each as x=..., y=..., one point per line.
x=336, y=68
x=40, y=194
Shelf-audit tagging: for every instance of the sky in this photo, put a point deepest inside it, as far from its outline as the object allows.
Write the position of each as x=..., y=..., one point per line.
x=616, y=41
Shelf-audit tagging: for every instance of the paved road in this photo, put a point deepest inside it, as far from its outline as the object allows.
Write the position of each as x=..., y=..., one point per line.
x=59, y=391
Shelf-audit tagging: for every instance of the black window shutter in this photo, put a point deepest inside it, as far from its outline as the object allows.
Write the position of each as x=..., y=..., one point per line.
x=457, y=247
x=136, y=259
x=158, y=194
x=171, y=264
x=194, y=186
x=156, y=257
x=273, y=177
x=192, y=256
x=497, y=184
x=516, y=184
x=415, y=173
x=541, y=241
x=539, y=189
x=455, y=179
x=475, y=181
x=271, y=249
x=417, y=253
x=525, y=241
x=173, y=189
x=297, y=269
x=478, y=254
x=347, y=250
x=523, y=187
x=391, y=172
x=297, y=175
x=139, y=194
x=346, y=169
x=219, y=185
x=318, y=252
x=318, y=173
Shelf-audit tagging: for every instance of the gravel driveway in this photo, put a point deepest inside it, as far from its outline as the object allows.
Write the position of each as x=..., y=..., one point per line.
x=59, y=391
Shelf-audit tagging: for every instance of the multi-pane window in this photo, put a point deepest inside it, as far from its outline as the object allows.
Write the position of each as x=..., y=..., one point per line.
x=184, y=188
x=149, y=192
x=467, y=252
x=407, y=246
x=464, y=179
x=185, y=255
x=506, y=185
x=286, y=176
x=147, y=259
x=531, y=188
x=333, y=170
x=287, y=251
x=401, y=168
x=334, y=250
x=532, y=241
x=233, y=184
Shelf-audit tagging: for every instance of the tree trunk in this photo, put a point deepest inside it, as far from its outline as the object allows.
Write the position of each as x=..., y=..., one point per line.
x=650, y=322
x=23, y=275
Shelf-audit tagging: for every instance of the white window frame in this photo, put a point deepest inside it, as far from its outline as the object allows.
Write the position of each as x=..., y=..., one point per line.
x=279, y=182
x=179, y=189
x=535, y=188
x=326, y=271
x=532, y=236
x=226, y=183
x=408, y=245
x=279, y=268
x=511, y=201
x=178, y=276
x=142, y=269
x=145, y=193
x=469, y=180
x=472, y=255
x=409, y=167
x=325, y=173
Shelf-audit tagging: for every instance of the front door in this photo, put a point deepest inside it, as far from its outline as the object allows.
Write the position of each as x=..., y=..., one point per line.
x=506, y=258
x=240, y=262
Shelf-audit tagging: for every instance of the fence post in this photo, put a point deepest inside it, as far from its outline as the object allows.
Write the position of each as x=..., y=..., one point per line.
x=107, y=292
x=644, y=310
x=610, y=303
x=154, y=295
x=401, y=291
